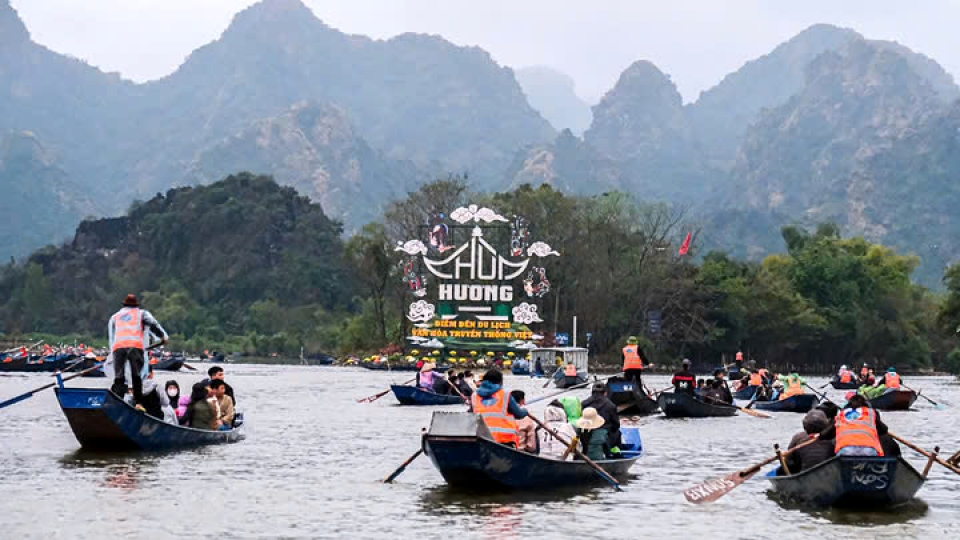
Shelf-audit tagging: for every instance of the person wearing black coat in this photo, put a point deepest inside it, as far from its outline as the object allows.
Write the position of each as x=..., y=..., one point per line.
x=607, y=410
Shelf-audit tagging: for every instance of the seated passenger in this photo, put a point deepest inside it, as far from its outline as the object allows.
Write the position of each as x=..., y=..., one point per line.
x=555, y=418
x=856, y=429
x=173, y=394
x=216, y=374
x=526, y=429
x=154, y=402
x=441, y=386
x=814, y=453
x=201, y=413
x=592, y=434
x=463, y=385
x=794, y=385
x=224, y=404
x=573, y=408
x=498, y=410
x=426, y=376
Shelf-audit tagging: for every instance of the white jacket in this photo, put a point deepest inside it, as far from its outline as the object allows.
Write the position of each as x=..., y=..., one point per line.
x=556, y=421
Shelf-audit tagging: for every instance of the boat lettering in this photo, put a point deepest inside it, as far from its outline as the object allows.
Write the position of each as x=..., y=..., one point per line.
x=872, y=467
x=874, y=481
x=95, y=401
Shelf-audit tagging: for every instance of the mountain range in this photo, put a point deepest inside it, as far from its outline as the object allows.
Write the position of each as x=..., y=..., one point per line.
x=828, y=126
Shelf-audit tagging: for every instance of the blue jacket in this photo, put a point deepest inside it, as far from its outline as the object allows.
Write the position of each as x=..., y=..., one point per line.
x=488, y=389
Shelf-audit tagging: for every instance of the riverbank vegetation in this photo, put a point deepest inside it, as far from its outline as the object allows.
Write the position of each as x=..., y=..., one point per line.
x=246, y=265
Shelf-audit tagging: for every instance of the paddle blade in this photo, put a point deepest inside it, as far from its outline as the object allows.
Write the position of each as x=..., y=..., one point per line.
x=715, y=488
x=752, y=412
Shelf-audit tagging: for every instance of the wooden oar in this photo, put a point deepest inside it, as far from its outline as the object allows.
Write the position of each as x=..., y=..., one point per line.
x=744, y=410
x=371, y=399
x=403, y=467
x=603, y=474
x=818, y=394
x=30, y=348
x=924, y=453
x=188, y=366
x=935, y=404
x=25, y=395
x=713, y=489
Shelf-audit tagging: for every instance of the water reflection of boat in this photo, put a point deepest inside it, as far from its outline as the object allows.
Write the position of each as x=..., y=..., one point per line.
x=800, y=404
x=102, y=421
x=682, y=405
x=851, y=482
x=461, y=448
x=411, y=395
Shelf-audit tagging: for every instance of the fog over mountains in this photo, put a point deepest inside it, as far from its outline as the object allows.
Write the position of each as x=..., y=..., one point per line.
x=828, y=126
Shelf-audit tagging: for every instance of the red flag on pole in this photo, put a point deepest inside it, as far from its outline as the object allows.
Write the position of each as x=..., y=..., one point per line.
x=685, y=247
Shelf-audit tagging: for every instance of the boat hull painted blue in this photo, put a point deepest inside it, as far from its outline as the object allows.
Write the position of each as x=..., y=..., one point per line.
x=852, y=482
x=102, y=421
x=411, y=395
x=520, y=370
x=681, y=405
x=799, y=404
x=899, y=400
x=746, y=393
x=37, y=364
x=478, y=464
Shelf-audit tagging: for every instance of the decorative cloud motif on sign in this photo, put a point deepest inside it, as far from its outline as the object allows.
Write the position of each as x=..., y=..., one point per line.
x=473, y=212
x=525, y=314
x=421, y=311
x=412, y=247
x=540, y=249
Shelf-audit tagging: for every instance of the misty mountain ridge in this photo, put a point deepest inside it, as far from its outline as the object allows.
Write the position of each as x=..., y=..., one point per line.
x=810, y=131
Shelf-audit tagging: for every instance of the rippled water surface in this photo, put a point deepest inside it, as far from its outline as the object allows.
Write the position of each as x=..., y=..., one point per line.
x=313, y=459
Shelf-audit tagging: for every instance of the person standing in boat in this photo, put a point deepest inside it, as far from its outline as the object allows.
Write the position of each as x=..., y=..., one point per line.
x=857, y=429
x=684, y=380
x=632, y=357
x=498, y=409
x=129, y=330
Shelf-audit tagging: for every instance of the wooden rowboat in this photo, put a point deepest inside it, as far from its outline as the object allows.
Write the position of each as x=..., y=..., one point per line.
x=870, y=483
x=102, y=421
x=461, y=448
x=36, y=364
x=896, y=400
x=411, y=395
x=800, y=404
x=683, y=405
x=630, y=402
x=837, y=385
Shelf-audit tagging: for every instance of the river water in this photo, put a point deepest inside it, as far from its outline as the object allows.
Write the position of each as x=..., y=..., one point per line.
x=313, y=459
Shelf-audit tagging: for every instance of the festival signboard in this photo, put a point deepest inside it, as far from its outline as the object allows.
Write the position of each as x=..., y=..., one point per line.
x=477, y=282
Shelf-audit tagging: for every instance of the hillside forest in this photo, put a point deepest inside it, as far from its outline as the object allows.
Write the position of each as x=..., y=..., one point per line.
x=247, y=265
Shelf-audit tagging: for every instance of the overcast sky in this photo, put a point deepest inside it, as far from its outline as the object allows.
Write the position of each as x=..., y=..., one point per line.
x=696, y=42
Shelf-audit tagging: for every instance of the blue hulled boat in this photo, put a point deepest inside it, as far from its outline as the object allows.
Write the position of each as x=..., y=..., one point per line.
x=746, y=393
x=411, y=395
x=518, y=368
x=461, y=448
x=102, y=421
x=894, y=400
x=800, y=403
x=36, y=363
x=870, y=483
x=630, y=401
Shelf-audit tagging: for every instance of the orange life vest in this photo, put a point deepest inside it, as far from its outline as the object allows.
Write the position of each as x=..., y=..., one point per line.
x=756, y=379
x=846, y=376
x=570, y=371
x=892, y=380
x=631, y=358
x=794, y=388
x=499, y=421
x=128, y=329
x=857, y=427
